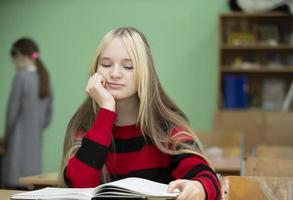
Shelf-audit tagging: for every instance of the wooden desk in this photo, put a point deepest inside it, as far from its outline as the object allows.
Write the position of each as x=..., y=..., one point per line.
x=40, y=181
x=6, y=194
x=227, y=165
x=256, y=188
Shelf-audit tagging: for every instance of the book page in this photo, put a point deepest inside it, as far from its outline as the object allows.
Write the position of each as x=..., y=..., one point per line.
x=141, y=186
x=56, y=193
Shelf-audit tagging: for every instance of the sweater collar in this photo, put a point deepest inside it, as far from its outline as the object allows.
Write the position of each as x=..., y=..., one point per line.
x=126, y=131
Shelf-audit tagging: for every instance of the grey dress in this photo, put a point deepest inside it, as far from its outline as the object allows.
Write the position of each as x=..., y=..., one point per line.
x=27, y=117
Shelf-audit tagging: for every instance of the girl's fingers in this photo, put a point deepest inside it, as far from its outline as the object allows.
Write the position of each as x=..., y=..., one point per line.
x=176, y=184
x=186, y=193
x=103, y=80
x=98, y=78
x=188, y=189
x=91, y=83
x=95, y=80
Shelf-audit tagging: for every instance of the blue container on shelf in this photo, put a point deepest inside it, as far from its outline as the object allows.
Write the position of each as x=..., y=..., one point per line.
x=235, y=91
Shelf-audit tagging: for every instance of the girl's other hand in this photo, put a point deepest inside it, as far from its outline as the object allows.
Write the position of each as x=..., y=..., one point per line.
x=190, y=190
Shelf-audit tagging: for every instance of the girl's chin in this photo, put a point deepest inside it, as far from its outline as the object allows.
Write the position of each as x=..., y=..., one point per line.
x=118, y=97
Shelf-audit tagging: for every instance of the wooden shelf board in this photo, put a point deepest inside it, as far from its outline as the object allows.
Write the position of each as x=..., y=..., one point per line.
x=253, y=110
x=225, y=70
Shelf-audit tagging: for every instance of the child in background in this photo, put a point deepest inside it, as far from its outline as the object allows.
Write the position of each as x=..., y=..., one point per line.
x=29, y=112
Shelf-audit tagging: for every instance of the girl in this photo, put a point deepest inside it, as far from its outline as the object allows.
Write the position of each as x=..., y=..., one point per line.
x=128, y=126
x=28, y=113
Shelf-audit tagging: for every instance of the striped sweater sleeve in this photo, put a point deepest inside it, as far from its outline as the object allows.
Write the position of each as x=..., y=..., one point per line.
x=194, y=167
x=84, y=168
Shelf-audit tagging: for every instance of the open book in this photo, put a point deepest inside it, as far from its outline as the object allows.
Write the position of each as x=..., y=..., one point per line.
x=128, y=188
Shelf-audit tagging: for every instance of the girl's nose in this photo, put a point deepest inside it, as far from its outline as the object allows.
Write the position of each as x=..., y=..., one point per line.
x=116, y=72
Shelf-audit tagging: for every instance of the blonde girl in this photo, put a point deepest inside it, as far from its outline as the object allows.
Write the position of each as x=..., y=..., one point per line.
x=129, y=126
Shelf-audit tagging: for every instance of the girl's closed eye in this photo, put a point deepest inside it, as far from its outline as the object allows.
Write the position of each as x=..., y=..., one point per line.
x=106, y=65
x=128, y=67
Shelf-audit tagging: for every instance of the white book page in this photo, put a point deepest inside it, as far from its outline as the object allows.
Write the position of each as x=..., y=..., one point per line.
x=56, y=193
x=142, y=186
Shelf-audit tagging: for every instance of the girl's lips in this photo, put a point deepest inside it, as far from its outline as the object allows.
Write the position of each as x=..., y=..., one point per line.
x=115, y=85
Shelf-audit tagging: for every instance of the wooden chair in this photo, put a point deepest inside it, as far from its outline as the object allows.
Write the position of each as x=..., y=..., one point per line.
x=250, y=123
x=258, y=127
x=257, y=166
x=224, y=151
x=279, y=128
x=257, y=188
x=273, y=151
x=231, y=143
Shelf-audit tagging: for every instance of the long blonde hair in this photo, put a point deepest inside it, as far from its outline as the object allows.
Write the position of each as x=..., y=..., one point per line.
x=157, y=114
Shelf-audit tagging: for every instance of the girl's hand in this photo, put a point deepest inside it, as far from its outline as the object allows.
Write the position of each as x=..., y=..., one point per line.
x=96, y=90
x=190, y=190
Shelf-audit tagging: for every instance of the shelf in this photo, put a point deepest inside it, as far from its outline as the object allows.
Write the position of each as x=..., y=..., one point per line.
x=260, y=71
x=257, y=47
x=234, y=55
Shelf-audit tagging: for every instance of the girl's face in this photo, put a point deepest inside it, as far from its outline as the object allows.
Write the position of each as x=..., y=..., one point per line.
x=19, y=60
x=117, y=68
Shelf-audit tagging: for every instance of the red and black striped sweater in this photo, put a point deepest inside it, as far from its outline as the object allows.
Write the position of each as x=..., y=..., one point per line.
x=133, y=157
